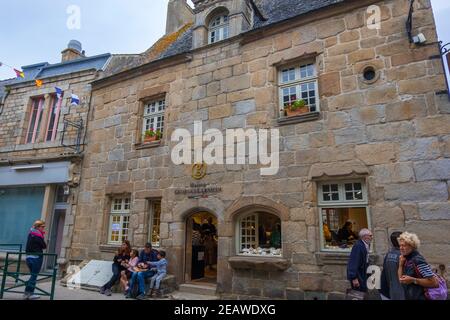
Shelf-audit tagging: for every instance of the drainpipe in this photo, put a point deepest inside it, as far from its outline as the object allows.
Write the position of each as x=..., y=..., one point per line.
x=409, y=21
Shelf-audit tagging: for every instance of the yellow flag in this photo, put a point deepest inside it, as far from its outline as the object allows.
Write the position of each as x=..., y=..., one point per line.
x=39, y=83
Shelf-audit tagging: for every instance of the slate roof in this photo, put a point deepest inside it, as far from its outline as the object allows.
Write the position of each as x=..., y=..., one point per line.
x=122, y=62
x=183, y=44
x=45, y=70
x=272, y=12
x=267, y=12
x=277, y=11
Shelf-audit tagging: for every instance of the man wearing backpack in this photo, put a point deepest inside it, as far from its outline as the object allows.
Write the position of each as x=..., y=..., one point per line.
x=391, y=288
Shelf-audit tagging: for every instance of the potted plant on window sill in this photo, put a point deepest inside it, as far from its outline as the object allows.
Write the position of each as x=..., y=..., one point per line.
x=296, y=108
x=151, y=135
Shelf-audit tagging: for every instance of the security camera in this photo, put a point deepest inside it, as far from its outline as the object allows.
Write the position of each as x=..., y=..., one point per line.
x=419, y=39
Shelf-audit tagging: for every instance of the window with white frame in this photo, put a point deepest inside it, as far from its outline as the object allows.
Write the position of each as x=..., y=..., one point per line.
x=53, y=118
x=299, y=82
x=219, y=28
x=36, y=115
x=154, y=116
x=343, y=213
x=119, y=220
x=154, y=223
x=259, y=234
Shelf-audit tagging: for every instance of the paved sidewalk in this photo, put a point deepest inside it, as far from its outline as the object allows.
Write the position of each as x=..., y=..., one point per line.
x=64, y=293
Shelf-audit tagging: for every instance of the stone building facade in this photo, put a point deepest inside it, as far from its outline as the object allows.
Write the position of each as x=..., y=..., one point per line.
x=372, y=149
x=42, y=139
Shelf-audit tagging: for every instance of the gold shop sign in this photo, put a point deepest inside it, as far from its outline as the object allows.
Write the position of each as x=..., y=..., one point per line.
x=199, y=170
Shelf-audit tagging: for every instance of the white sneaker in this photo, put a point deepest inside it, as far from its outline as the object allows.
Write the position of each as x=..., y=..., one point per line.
x=34, y=297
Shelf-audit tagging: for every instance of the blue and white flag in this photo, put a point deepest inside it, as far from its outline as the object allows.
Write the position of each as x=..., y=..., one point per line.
x=75, y=100
x=59, y=93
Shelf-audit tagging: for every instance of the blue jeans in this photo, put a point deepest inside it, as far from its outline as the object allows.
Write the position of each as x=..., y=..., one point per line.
x=157, y=278
x=35, y=265
x=140, y=276
x=116, y=269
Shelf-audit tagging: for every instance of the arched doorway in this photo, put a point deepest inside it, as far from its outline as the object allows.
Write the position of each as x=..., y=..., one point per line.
x=201, y=248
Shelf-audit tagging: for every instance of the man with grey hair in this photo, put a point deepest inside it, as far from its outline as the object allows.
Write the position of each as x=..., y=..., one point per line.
x=359, y=261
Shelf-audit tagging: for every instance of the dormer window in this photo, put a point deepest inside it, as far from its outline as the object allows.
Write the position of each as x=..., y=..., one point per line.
x=219, y=28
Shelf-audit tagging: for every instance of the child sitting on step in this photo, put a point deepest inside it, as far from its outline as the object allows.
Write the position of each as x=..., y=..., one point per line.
x=161, y=271
x=126, y=274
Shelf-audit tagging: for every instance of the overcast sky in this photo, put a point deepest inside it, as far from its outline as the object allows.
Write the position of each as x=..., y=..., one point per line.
x=36, y=31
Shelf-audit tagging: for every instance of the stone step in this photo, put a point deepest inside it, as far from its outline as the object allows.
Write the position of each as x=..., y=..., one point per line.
x=201, y=289
x=191, y=296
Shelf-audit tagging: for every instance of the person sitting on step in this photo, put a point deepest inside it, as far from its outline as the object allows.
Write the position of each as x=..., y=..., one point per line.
x=143, y=271
x=130, y=265
x=161, y=271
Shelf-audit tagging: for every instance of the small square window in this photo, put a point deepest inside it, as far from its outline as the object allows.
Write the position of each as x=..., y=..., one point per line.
x=298, y=82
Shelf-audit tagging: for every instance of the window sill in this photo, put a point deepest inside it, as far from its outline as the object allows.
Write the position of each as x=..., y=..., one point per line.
x=109, y=247
x=153, y=144
x=310, y=116
x=259, y=263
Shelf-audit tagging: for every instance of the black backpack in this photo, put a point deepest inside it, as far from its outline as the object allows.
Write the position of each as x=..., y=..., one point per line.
x=134, y=292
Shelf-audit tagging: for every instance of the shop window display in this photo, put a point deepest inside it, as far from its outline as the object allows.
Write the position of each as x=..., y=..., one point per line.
x=260, y=234
x=343, y=213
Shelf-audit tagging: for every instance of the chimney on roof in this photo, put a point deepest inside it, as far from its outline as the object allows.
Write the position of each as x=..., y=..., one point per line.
x=72, y=52
x=179, y=13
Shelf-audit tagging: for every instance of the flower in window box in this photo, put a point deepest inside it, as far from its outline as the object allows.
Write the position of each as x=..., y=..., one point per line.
x=296, y=108
x=151, y=135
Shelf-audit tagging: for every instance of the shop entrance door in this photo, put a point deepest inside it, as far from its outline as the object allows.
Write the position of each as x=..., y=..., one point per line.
x=201, y=248
x=57, y=224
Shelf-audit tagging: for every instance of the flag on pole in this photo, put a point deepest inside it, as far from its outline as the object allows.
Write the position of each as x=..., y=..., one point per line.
x=59, y=93
x=19, y=73
x=39, y=83
x=75, y=100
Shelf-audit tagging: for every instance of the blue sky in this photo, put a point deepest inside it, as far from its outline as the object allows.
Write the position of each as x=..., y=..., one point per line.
x=36, y=31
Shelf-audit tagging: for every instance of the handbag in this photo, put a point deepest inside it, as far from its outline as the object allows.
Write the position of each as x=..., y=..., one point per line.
x=355, y=295
x=439, y=293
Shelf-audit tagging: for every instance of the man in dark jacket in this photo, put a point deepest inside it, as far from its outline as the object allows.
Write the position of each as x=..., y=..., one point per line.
x=391, y=287
x=147, y=256
x=34, y=249
x=359, y=261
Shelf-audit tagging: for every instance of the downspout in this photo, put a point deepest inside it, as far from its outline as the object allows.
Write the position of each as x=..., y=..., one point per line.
x=409, y=21
x=88, y=115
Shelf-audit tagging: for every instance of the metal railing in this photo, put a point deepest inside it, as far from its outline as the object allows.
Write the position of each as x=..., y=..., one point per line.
x=21, y=278
x=10, y=248
x=75, y=143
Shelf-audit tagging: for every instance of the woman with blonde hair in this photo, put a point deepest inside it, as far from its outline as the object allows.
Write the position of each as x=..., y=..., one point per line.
x=34, y=249
x=414, y=272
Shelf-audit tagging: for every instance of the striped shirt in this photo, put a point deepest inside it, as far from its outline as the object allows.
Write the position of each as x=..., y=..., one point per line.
x=425, y=270
x=417, y=267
